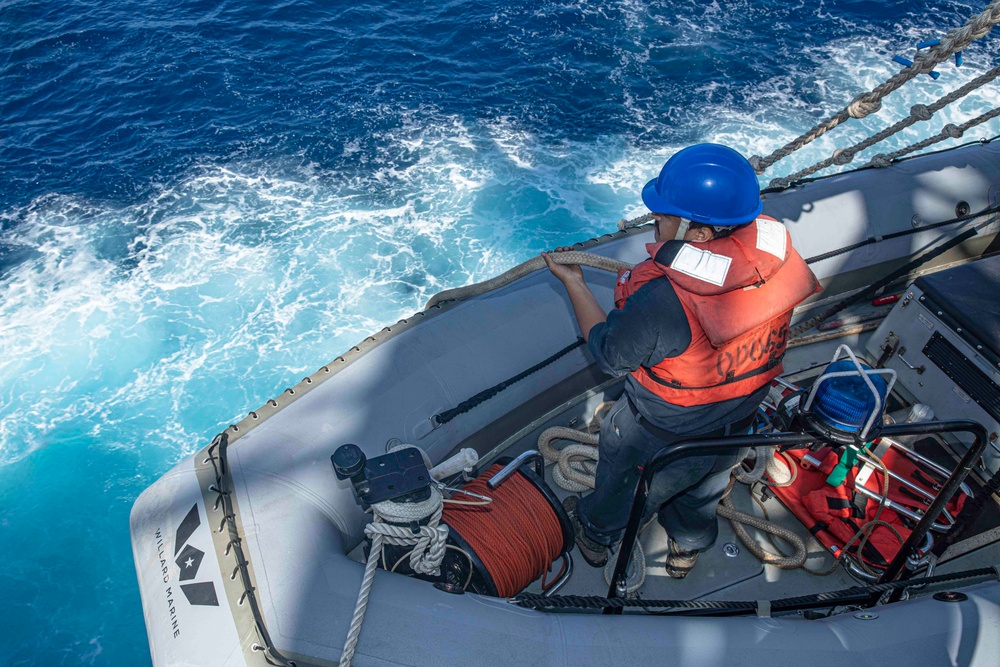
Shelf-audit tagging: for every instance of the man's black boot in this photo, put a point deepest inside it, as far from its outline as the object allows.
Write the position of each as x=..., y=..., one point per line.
x=595, y=553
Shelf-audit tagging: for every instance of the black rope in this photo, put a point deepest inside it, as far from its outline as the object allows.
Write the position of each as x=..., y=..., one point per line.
x=895, y=275
x=536, y=601
x=218, y=460
x=486, y=394
x=905, y=232
x=854, y=595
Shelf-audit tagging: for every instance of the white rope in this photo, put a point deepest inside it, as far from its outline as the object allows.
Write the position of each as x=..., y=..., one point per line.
x=362, y=604
x=575, y=465
x=574, y=468
x=425, y=558
x=635, y=572
x=428, y=542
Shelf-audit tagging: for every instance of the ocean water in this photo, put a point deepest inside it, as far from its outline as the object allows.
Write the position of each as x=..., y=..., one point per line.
x=203, y=202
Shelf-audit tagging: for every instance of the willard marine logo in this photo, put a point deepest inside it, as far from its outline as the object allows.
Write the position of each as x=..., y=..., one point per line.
x=189, y=560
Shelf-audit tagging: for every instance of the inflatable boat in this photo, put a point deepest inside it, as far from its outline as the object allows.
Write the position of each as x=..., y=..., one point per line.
x=395, y=501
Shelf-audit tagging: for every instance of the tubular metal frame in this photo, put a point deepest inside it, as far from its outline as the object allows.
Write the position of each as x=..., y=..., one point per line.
x=714, y=446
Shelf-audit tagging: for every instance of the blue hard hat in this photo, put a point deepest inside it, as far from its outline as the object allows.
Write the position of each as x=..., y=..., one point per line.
x=706, y=183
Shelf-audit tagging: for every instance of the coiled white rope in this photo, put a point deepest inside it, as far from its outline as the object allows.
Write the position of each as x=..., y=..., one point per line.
x=429, y=540
x=428, y=550
x=574, y=466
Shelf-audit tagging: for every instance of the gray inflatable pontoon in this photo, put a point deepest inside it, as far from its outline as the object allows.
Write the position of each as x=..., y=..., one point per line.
x=251, y=551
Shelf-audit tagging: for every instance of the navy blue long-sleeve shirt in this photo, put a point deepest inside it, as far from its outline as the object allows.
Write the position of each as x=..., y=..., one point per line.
x=649, y=328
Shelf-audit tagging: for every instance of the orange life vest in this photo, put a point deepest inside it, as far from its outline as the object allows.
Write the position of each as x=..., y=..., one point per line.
x=738, y=293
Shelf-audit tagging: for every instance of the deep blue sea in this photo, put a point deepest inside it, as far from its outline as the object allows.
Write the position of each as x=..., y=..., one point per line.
x=203, y=202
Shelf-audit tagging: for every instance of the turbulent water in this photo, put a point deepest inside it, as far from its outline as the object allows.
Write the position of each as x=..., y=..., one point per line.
x=203, y=202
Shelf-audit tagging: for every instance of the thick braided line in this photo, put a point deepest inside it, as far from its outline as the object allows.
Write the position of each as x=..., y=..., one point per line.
x=573, y=475
x=918, y=113
x=949, y=131
x=955, y=40
x=576, y=467
x=624, y=224
x=635, y=572
x=523, y=269
x=574, y=470
x=728, y=510
x=354, y=632
x=756, y=473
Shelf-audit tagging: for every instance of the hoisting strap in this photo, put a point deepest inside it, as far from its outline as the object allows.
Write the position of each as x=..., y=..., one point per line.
x=486, y=394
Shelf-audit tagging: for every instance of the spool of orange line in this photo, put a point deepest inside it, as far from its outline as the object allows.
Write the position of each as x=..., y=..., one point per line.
x=514, y=539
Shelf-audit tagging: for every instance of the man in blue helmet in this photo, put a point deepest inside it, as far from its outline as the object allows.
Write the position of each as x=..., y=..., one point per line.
x=700, y=328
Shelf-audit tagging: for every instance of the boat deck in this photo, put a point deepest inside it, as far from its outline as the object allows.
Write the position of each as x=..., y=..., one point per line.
x=728, y=570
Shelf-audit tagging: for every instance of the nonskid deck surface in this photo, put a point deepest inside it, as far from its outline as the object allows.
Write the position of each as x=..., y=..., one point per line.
x=717, y=575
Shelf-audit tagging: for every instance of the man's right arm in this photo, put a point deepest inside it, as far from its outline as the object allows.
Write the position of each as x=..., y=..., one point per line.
x=650, y=327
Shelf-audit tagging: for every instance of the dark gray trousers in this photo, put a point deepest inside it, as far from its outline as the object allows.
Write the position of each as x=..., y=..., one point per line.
x=684, y=495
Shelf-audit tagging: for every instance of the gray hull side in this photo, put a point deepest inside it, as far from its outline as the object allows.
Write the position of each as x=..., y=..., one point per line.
x=297, y=521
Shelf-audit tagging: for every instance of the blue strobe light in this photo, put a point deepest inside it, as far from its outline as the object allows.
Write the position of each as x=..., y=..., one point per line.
x=846, y=403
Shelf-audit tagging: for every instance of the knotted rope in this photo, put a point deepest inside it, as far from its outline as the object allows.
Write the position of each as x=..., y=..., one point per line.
x=428, y=550
x=918, y=113
x=949, y=131
x=867, y=103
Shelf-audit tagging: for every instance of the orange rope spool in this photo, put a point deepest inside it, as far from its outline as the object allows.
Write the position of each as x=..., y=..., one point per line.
x=516, y=537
